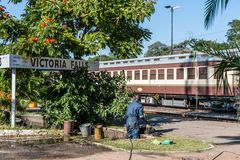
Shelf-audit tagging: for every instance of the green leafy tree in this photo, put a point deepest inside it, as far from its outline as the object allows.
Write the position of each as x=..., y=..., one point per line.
x=84, y=97
x=205, y=45
x=183, y=47
x=233, y=34
x=211, y=10
x=158, y=48
x=58, y=27
x=101, y=58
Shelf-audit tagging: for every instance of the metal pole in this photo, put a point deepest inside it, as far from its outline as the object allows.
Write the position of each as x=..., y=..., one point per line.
x=171, y=30
x=197, y=77
x=13, y=111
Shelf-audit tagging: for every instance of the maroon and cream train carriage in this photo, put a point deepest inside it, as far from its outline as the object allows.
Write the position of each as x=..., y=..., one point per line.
x=177, y=80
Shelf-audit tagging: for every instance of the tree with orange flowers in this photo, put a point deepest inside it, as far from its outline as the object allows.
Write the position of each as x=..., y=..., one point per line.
x=56, y=28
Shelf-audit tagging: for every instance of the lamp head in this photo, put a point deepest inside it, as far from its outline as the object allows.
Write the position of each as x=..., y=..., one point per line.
x=172, y=7
x=168, y=6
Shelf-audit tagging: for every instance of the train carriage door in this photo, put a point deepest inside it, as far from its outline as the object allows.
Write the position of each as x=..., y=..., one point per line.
x=235, y=84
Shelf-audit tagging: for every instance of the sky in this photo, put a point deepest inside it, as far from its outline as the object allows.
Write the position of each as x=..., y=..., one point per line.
x=188, y=21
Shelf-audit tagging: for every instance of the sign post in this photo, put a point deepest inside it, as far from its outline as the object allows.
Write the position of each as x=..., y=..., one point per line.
x=40, y=63
x=13, y=110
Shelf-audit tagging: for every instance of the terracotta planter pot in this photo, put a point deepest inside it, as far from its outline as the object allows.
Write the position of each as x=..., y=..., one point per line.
x=98, y=132
x=68, y=127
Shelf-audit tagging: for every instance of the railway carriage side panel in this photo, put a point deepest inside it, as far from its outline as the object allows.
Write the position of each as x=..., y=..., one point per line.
x=170, y=75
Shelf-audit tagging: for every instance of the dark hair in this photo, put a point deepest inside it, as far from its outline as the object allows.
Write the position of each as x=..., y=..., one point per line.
x=137, y=97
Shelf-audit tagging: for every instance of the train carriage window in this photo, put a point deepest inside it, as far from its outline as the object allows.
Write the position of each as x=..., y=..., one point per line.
x=129, y=75
x=203, y=73
x=153, y=74
x=191, y=73
x=118, y=62
x=115, y=73
x=204, y=55
x=215, y=75
x=137, y=75
x=144, y=74
x=191, y=56
x=180, y=73
x=140, y=60
x=161, y=74
x=170, y=74
x=125, y=61
x=182, y=57
x=122, y=73
x=157, y=59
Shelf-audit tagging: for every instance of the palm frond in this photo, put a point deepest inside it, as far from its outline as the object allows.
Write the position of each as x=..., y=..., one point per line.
x=211, y=10
x=230, y=61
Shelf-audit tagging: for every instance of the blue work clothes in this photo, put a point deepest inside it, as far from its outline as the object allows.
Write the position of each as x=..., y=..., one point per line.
x=134, y=112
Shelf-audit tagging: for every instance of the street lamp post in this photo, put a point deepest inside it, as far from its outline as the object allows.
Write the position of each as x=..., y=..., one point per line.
x=171, y=9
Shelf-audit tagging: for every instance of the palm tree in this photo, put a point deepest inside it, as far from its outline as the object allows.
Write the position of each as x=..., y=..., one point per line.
x=211, y=10
x=230, y=60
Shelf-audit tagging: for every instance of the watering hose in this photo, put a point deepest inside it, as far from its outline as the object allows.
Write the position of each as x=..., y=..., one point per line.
x=130, y=157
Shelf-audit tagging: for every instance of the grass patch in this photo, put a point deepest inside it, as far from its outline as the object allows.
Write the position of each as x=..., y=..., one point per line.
x=180, y=144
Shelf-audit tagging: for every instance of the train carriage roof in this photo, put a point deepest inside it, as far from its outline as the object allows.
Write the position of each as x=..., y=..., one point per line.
x=166, y=59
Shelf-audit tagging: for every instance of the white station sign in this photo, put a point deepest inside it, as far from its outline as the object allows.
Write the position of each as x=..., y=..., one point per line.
x=45, y=63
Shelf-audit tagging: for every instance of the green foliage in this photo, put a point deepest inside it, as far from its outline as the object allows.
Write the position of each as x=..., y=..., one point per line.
x=233, y=34
x=83, y=97
x=4, y=118
x=159, y=49
x=101, y=58
x=207, y=45
x=57, y=28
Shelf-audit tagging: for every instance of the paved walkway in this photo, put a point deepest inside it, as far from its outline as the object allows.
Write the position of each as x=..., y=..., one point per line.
x=199, y=113
x=224, y=135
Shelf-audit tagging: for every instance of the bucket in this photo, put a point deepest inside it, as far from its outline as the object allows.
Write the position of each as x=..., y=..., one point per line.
x=68, y=127
x=85, y=129
x=98, y=132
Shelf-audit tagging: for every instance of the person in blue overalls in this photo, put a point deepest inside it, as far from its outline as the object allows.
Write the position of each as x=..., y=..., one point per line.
x=134, y=113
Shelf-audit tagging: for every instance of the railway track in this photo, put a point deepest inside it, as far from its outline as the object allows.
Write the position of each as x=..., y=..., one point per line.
x=192, y=113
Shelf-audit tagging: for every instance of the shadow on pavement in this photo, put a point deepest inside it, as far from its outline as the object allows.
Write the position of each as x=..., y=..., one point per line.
x=162, y=119
x=232, y=140
x=162, y=131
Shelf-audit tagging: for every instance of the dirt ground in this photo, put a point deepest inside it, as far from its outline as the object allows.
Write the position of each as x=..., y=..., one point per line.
x=224, y=135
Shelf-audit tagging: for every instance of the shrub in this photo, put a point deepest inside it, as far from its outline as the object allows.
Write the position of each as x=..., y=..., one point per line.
x=83, y=97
